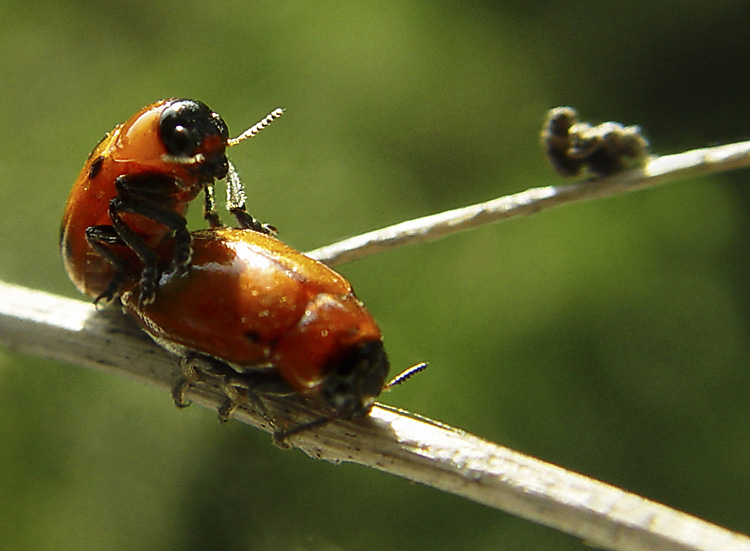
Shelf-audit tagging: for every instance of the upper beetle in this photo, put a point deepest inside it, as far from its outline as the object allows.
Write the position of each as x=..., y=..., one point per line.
x=134, y=191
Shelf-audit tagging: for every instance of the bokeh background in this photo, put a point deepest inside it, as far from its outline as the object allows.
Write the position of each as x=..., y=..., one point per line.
x=612, y=338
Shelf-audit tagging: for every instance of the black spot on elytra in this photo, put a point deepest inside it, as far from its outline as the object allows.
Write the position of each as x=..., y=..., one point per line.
x=96, y=166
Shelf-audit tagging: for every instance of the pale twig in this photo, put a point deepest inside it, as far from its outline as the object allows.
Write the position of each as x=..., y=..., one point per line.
x=390, y=440
x=656, y=171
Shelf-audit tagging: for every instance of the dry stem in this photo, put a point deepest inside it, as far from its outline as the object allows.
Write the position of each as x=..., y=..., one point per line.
x=656, y=171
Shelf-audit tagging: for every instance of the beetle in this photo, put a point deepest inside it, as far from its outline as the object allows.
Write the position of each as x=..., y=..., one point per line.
x=134, y=189
x=261, y=318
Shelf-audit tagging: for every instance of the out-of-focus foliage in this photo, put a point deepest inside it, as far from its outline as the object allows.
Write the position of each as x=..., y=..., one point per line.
x=611, y=338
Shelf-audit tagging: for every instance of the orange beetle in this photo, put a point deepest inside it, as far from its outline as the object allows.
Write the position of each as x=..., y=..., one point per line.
x=134, y=190
x=258, y=315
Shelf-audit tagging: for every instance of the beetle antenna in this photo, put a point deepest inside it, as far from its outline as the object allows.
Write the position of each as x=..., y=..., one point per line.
x=253, y=130
x=405, y=374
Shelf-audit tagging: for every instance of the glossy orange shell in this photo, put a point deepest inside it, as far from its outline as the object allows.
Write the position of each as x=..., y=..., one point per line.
x=255, y=303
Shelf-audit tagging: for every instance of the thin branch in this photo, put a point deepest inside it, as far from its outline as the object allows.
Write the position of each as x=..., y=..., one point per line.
x=393, y=441
x=656, y=171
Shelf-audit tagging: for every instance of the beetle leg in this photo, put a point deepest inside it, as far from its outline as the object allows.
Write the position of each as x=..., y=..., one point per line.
x=248, y=387
x=236, y=205
x=189, y=375
x=248, y=222
x=99, y=237
x=233, y=401
x=232, y=386
x=209, y=208
x=149, y=258
x=178, y=392
x=131, y=199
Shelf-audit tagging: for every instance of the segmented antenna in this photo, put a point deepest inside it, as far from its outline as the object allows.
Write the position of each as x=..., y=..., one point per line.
x=253, y=130
x=405, y=374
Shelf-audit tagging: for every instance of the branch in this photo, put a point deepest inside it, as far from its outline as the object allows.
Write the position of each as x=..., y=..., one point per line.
x=390, y=440
x=654, y=172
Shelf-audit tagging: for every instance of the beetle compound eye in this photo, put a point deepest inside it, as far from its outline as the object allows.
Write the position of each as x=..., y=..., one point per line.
x=180, y=142
x=177, y=130
x=184, y=125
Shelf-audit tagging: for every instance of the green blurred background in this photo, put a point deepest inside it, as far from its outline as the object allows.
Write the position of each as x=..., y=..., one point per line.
x=612, y=338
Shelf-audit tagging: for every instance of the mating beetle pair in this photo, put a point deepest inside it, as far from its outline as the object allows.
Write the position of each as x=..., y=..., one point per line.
x=237, y=305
